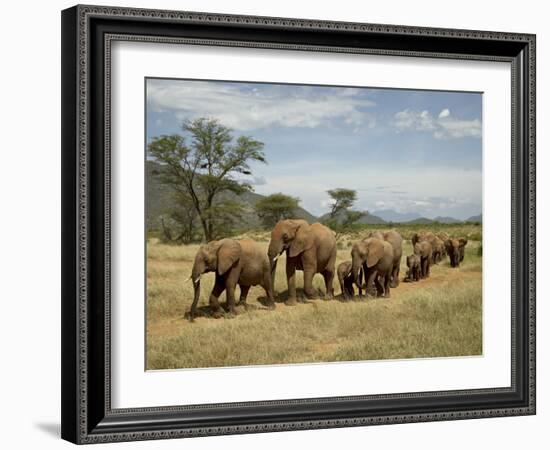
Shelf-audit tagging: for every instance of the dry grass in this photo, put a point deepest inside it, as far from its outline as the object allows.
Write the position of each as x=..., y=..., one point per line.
x=440, y=316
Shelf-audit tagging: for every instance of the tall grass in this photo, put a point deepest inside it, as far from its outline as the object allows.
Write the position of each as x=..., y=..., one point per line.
x=437, y=317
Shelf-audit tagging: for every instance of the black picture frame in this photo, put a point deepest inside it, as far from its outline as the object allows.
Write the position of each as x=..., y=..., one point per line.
x=87, y=416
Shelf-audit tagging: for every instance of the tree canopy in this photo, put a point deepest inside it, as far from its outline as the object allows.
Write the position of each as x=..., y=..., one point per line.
x=341, y=200
x=204, y=163
x=341, y=217
x=276, y=207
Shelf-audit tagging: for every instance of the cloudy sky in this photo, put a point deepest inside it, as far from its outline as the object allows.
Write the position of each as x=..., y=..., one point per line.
x=410, y=151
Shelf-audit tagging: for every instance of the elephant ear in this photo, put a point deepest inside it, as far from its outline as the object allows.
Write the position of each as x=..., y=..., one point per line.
x=376, y=251
x=302, y=241
x=229, y=253
x=448, y=245
x=463, y=242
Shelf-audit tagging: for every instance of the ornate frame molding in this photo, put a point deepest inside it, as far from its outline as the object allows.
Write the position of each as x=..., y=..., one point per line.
x=80, y=423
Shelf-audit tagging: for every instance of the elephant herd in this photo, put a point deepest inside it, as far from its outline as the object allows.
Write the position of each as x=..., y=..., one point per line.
x=373, y=268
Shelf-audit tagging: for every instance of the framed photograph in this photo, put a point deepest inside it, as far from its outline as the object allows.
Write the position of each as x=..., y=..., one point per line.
x=280, y=224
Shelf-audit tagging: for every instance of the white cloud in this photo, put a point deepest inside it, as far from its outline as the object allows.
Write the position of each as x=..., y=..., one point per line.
x=440, y=191
x=444, y=113
x=445, y=126
x=258, y=181
x=247, y=109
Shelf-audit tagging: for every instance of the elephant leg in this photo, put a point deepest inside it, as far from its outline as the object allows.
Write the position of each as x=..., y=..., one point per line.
x=308, y=284
x=371, y=277
x=244, y=293
x=328, y=275
x=395, y=276
x=230, y=285
x=379, y=285
x=268, y=288
x=361, y=276
x=343, y=288
x=291, y=280
x=425, y=267
x=428, y=265
x=387, y=285
x=215, y=307
x=348, y=286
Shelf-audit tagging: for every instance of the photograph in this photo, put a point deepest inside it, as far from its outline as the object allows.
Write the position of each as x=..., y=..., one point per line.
x=295, y=224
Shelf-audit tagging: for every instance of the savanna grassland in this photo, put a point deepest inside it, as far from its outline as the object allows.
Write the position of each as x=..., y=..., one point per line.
x=437, y=317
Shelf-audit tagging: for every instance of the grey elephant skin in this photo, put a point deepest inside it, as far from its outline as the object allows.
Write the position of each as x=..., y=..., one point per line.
x=311, y=248
x=235, y=262
x=345, y=278
x=423, y=250
x=413, y=264
x=376, y=258
x=438, y=244
x=455, y=250
x=396, y=241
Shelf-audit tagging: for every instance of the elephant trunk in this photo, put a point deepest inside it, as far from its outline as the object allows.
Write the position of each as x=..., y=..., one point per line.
x=274, y=250
x=355, y=268
x=196, y=279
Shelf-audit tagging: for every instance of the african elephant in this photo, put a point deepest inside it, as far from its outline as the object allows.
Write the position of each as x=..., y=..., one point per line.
x=376, y=257
x=345, y=277
x=438, y=246
x=455, y=250
x=413, y=263
x=396, y=241
x=424, y=251
x=311, y=248
x=443, y=236
x=241, y=262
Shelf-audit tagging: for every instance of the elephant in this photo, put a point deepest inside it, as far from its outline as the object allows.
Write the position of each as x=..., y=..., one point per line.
x=443, y=236
x=396, y=241
x=423, y=250
x=241, y=262
x=376, y=257
x=311, y=248
x=413, y=263
x=455, y=250
x=438, y=246
x=345, y=277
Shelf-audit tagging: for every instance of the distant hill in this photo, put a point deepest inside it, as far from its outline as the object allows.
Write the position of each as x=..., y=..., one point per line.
x=443, y=219
x=478, y=218
x=420, y=220
x=390, y=215
x=366, y=218
x=160, y=201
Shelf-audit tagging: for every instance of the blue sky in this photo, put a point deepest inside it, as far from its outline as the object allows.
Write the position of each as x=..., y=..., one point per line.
x=405, y=150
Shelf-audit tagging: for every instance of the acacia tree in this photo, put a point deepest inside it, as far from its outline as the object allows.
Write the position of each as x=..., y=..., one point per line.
x=342, y=200
x=341, y=217
x=202, y=164
x=275, y=207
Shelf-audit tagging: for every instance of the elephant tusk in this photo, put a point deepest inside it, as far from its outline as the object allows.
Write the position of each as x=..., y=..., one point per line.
x=197, y=279
x=276, y=257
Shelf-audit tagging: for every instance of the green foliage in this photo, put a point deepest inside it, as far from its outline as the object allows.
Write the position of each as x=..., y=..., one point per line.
x=276, y=207
x=342, y=200
x=341, y=217
x=202, y=165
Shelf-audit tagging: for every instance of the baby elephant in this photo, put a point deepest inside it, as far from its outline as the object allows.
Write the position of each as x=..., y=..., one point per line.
x=235, y=262
x=345, y=277
x=413, y=263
